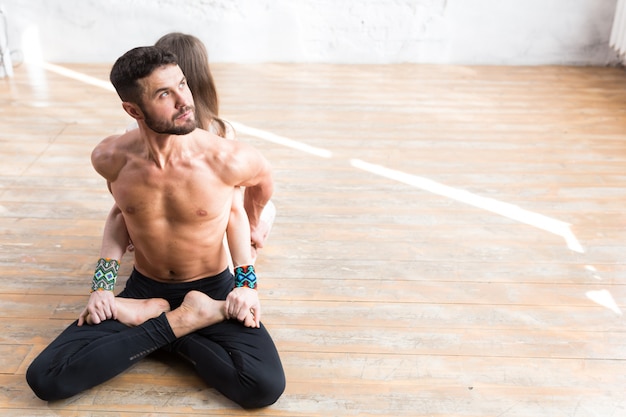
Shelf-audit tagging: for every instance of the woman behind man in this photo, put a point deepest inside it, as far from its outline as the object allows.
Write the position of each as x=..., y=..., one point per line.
x=242, y=239
x=193, y=59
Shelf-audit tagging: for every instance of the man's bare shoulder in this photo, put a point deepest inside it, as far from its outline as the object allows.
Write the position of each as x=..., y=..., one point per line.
x=111, y=153
x=235, y=162
x=218, y=149
x=214, y=146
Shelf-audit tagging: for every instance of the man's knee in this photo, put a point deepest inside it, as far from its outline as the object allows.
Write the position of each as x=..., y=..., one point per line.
x=265, y=393
x=46, y=382
x=39, y=382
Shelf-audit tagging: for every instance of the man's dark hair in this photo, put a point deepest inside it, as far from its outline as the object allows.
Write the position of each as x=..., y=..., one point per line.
x=134, y=65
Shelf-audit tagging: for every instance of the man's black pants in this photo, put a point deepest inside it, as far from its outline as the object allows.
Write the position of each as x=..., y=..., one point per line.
x=240, y=362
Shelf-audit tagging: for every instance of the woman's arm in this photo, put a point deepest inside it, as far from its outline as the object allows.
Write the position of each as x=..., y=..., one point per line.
x=238, y=232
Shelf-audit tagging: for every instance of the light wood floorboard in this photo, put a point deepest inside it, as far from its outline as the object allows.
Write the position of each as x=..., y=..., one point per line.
x=450, y=240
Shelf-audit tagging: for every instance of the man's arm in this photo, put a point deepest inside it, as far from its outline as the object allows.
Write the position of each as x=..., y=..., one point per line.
x=115, y=239
x=242, y=303
x=246, y=167
x=101, y=304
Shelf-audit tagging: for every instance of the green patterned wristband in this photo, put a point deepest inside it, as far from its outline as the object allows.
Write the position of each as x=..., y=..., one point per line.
x=105, y=275
x=245, y=277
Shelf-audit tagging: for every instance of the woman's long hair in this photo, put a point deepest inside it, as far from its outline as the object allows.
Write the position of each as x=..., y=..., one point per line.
x=193, y=60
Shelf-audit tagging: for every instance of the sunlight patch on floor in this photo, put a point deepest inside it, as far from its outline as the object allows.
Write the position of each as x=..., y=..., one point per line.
x=508, y=210
x=78, y=76
x=605, y=299
x=281, y=140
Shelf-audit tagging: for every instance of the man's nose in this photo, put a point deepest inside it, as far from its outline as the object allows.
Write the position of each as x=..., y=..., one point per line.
x=183, y=100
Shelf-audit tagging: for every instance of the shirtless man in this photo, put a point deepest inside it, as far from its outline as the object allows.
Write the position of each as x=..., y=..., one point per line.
x=174, y=185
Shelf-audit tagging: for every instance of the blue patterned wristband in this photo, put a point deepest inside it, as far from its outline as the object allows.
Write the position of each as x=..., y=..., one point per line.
x=245, y=277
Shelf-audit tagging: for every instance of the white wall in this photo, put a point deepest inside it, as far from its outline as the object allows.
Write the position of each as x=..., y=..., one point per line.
x=510, y=32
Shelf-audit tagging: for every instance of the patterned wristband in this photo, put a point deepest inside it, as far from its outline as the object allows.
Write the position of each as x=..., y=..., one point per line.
x=105, y=275
x=245, y=277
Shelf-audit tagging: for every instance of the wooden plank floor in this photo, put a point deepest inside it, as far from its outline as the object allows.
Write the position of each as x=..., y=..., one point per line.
x=450, y=241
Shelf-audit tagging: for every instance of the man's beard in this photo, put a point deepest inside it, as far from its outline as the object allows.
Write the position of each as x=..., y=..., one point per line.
x=169, y=127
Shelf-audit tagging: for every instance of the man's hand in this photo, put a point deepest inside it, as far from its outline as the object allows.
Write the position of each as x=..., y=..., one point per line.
x=100, y=307
x=243, y=304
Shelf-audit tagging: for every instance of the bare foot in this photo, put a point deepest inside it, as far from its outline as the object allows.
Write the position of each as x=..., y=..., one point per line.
x=133, y=312
x=197, y=311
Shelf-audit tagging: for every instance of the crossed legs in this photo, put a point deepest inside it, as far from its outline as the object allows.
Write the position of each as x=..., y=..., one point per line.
x=240, y=362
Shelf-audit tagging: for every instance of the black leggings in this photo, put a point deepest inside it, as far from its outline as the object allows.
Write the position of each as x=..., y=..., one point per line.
x=240, y=362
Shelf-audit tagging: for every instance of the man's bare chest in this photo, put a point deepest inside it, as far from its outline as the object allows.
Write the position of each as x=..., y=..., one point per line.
x=184, y=194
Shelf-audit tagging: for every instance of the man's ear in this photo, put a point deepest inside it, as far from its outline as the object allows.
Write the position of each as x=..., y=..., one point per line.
x=133, y=110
